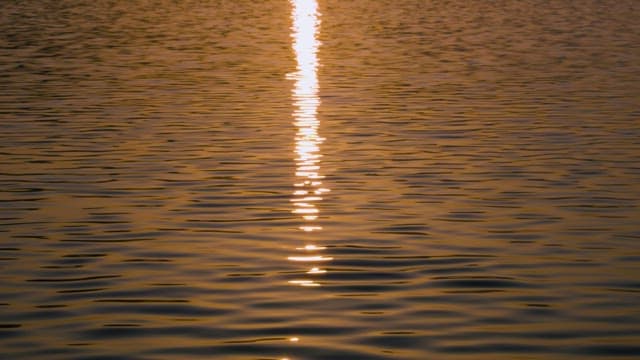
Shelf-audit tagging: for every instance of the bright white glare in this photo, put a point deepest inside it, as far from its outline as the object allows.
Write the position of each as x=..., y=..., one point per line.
x=313, y=258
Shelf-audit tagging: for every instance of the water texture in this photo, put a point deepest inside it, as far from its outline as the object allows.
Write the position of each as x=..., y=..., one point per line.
x=410, y=179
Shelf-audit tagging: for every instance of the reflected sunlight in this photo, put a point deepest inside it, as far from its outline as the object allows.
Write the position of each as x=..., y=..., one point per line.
x=305, y=97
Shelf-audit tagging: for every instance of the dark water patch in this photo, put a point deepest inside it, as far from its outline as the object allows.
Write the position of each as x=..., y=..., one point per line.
x=105, y=357
x=435, y=314
x=145, y=301
x=251, y=341
x=73, y=291
x=496, y=348
x=77, y=279
x=51, y=306
x=66, y=266
x=608, y=350
x=10, y=326
x=142, y=260
x=112, y=238
x=415, y=233
x=41, y=315
x=361, y=249
x=363, y=288
x=84, y=255
x=345, y=275
x=397, y=340
x=159, y=309
x=473, y=290
x=246, y=274
x=405, y=261
x=623, y=290
x=557, y=337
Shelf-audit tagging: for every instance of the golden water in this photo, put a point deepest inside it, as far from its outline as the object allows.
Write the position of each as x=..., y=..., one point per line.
x=319, y=179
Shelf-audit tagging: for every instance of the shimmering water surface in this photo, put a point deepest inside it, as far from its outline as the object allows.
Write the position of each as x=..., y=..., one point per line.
x=410, y=179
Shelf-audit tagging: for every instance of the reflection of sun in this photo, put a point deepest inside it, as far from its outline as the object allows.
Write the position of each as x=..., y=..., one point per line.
x=308, y=187
x=306, y=101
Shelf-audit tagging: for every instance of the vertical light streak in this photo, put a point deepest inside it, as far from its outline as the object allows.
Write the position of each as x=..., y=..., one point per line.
x=308, y=186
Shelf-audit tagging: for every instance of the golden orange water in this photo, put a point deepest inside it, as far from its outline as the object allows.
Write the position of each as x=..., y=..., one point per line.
x=165, y=169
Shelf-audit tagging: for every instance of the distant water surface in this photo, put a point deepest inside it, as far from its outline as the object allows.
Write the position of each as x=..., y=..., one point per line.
x=319, y=180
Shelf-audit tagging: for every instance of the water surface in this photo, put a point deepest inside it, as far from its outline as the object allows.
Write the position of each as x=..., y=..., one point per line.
x=319, y=180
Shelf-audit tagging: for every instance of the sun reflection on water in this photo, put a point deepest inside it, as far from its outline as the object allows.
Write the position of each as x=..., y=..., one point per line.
x=308, y=187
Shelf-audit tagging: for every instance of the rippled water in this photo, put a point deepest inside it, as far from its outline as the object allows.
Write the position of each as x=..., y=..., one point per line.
x=365, y=180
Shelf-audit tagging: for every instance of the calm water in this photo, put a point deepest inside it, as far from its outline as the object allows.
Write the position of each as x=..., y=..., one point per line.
x=411, y=179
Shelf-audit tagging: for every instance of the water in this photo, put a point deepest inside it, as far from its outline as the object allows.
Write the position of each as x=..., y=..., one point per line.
x=372, y=180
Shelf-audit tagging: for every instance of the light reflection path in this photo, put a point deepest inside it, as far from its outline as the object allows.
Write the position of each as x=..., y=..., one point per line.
x=308, y=187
